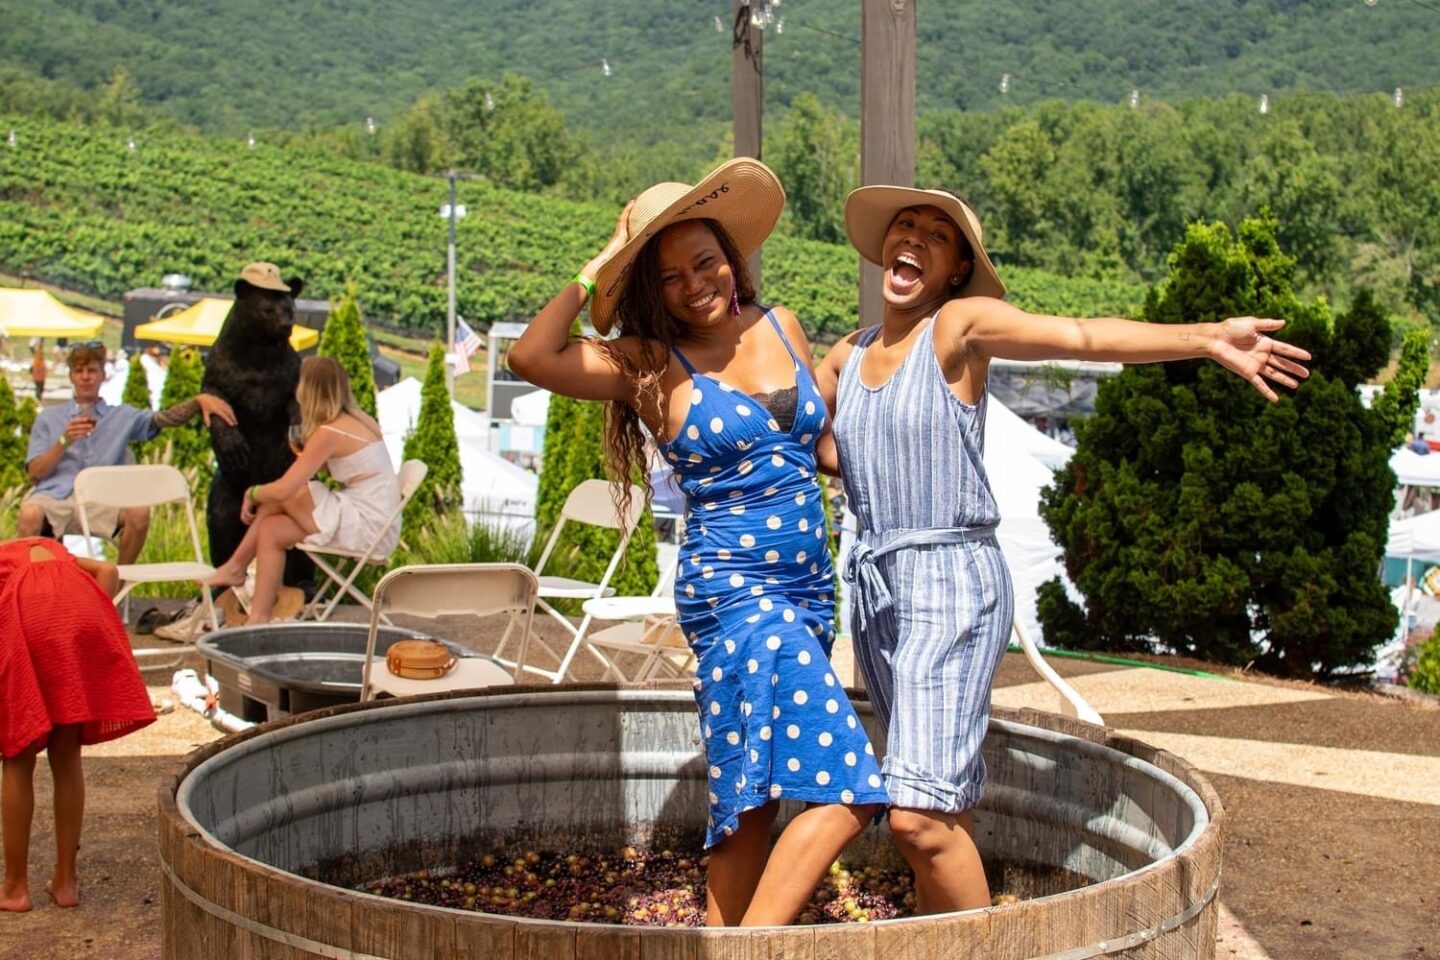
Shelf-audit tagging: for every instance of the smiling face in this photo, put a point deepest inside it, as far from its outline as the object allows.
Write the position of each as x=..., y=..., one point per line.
x=925, y=257
x=696, y=280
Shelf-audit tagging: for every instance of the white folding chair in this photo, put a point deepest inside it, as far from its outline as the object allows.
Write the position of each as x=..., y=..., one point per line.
x=341, y=567
x=146, y=485
x=650, y=633
x=481, y=589
x=590, y=502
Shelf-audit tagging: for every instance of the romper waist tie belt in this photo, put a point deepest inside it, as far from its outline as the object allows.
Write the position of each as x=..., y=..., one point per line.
x=871, y=594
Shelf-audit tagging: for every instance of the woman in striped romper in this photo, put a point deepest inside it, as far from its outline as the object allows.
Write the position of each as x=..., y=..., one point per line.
x=933, y=602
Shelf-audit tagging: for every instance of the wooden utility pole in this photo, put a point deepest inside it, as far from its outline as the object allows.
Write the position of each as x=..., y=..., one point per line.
x=887, y=114
x=747, y=92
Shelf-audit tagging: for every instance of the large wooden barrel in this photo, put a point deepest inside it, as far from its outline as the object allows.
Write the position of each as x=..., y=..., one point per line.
x=263, y=835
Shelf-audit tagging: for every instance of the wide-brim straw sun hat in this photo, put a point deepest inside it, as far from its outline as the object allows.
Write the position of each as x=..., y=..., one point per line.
x=742, y=195
x=869, y=211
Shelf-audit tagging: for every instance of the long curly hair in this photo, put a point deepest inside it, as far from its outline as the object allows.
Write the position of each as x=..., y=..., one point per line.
x=640, y=312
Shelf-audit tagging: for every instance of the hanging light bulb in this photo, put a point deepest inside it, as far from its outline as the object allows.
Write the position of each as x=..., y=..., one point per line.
x=12, y=140
x=1264, y=104
x=780, y=25
x=1004, y=83
x=250, y=140
x=1399, y=98
x=370, y=125
x=604, y=67
x=130, y=144
x=1371, y=3
x=1134, y=99
x=719, y=27
x=489, y=102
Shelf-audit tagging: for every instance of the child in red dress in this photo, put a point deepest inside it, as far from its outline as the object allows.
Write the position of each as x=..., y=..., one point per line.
x=67, y=678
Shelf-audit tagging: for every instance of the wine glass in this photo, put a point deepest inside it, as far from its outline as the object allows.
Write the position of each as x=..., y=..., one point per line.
x=296, y=437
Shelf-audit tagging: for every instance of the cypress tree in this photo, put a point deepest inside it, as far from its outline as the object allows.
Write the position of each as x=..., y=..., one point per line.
x=189, y=443
x=14, y=438
x=584, y=551
x=1197, y=515
x=344, y=339
x=554, y=487
x=137, y=385
x=433, y=441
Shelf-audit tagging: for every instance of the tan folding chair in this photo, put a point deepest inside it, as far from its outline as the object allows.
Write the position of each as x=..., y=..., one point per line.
x=650, y=633
x=450, y=589
x=341, y=567
x=146, y=485
x=590, y=502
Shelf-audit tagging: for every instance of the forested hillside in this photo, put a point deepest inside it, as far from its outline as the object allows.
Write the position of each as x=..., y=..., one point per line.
x=242, y=64
x=78, y=207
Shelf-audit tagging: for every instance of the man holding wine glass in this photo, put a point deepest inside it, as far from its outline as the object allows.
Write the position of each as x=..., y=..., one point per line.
x=88, y=432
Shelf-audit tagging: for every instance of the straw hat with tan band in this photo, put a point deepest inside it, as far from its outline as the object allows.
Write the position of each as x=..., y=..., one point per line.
x=869, y=211
x=266, y=276
x=742, y=195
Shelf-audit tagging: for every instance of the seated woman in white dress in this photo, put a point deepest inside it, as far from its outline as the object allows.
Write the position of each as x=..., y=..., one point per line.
x=337, y=435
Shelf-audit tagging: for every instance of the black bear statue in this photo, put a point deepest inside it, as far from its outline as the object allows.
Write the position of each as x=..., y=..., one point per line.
x=255, y=369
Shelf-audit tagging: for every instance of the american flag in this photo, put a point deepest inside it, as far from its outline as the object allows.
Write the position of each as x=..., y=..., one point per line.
x=467, y=341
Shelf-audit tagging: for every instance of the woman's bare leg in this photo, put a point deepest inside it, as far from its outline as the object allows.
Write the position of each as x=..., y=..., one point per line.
x=275, y=534
x=736, y=866
x=940, y=848
x=231, y=573
x=17, y=810
x=69, y=776
x=802, y=855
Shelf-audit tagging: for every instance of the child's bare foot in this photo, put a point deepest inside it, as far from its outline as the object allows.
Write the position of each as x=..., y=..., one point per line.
x=64, y=894
x=15, y=899
x=225, y=577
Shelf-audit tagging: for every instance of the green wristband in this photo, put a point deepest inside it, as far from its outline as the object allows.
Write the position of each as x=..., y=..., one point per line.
x=254, y=497
x=64, y=442
x=586, y=283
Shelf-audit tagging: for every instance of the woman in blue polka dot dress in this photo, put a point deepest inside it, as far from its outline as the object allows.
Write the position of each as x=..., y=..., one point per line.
x=723, y=385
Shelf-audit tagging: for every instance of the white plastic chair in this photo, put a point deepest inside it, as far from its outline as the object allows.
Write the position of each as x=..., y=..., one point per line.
x=146, y=485
x=1071, y=703
x=650, y=632
x=481, y=589
x=341, y=567
x=590, y=502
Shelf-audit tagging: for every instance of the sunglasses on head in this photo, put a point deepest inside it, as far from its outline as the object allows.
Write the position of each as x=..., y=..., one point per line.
x=88, y=344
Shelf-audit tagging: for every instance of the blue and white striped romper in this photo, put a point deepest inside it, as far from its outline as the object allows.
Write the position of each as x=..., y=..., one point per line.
x=755, y=597
x=911, y=454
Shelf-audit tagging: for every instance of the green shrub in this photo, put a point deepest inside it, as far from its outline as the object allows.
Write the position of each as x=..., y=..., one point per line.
x=1426, y=675
x=433, y=441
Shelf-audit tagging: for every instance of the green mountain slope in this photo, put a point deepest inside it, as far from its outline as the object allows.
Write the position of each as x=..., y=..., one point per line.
x=230, y=66
x=79, y=208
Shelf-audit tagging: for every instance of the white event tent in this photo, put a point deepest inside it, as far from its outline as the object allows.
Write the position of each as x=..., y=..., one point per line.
x=490, y=485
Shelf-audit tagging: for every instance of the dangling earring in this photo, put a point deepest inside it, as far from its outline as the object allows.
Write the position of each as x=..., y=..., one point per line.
x=734, y=301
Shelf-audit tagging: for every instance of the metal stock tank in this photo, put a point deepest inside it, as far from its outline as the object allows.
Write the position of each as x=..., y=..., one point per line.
x=264, y=835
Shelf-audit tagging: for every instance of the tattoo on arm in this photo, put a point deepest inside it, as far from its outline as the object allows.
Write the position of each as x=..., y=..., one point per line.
x=182, y=412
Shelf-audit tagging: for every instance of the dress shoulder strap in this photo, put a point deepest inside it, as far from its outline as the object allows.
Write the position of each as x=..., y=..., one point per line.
x=780, y=332
x=346, y=433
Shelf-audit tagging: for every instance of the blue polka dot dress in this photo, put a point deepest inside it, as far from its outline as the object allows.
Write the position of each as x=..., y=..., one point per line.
x=754, y=598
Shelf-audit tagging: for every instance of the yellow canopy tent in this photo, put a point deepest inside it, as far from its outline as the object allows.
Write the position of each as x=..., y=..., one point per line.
x=200, y=324
x=36, y=313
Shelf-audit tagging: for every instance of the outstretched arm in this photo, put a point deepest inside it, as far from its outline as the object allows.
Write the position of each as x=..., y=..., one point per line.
x=1243, y=345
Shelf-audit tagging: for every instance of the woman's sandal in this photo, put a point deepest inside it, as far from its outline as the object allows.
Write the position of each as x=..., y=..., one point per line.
x=149, y=620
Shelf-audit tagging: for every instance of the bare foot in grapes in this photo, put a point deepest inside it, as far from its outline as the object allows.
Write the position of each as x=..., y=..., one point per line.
x=15, y=899
x=64, y=894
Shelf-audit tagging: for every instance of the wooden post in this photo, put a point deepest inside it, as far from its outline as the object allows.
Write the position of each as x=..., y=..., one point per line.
x=887, y=114
x=747, y=92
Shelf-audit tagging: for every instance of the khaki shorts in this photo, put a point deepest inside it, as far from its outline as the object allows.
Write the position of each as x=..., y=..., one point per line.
x=64, y=516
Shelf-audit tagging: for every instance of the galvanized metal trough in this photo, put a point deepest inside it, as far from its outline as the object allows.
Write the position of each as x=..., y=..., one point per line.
x=274, y=670
x=262, y=835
